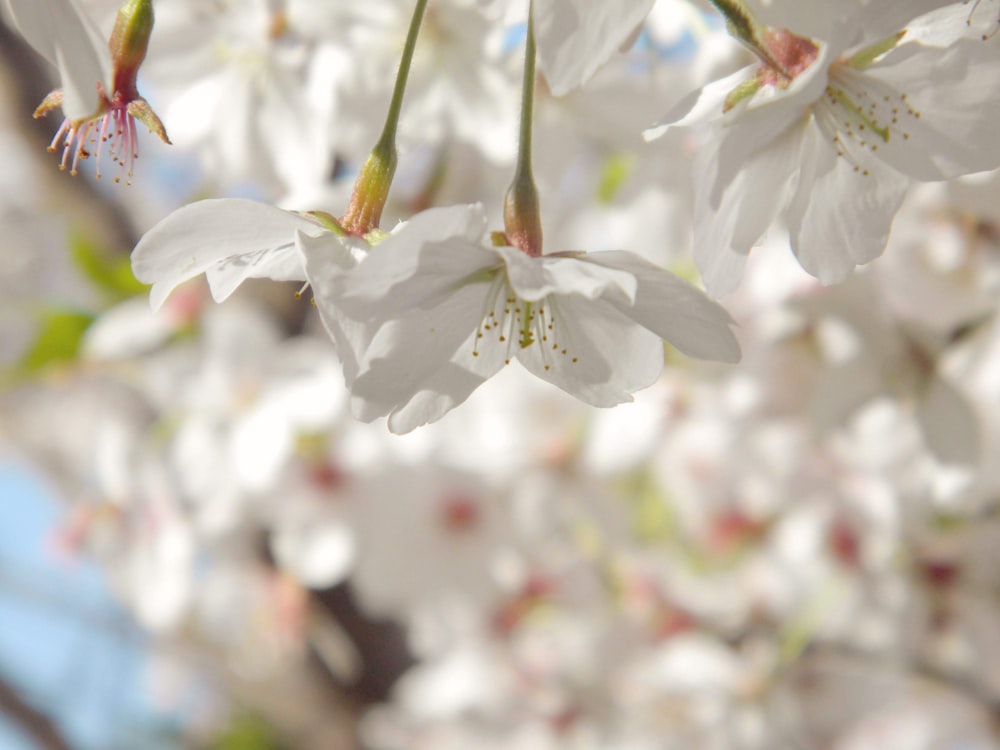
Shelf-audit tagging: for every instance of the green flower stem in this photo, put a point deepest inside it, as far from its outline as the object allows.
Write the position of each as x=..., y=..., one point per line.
x=522, y=218
x=371, y=190
x=744, y=26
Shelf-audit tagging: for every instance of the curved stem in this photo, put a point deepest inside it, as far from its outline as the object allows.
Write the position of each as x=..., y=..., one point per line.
x=371, y=190
x=388, y=137
x=527, y=101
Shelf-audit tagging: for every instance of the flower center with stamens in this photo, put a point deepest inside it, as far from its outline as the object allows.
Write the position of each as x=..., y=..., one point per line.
x=113, y=124
x=859, y=113
x=116, y=128
x=507, y=319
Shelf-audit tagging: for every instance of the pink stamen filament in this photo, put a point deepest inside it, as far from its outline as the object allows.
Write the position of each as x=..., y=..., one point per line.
x=116, y=128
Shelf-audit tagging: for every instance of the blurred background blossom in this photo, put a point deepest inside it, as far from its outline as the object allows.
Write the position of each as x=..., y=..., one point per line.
x=201, y=548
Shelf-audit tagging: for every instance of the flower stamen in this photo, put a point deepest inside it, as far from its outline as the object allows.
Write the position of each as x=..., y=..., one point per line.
x=861, y=114
x=972, y=11
x=511, y=319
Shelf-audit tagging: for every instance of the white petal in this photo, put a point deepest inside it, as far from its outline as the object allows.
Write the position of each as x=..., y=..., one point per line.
x=954, y=92
x=241, y=237
x=732, y=213
x=64, y=35
x=534, y=279
x=576, y=37
x=702, y=106
x=731, y=147
x=783, y=106
x=771, y=109
x=418, y=264
x=421, y=366
x=325, y=258
x=945, y=26
x=280, y=264
x=674, y=310
x=839, y=218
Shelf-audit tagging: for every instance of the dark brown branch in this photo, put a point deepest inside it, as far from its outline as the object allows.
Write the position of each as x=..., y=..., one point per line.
x=35, y=724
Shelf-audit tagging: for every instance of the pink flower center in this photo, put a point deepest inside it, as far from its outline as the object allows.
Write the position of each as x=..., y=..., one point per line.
x=792, y=55
x=460, y=513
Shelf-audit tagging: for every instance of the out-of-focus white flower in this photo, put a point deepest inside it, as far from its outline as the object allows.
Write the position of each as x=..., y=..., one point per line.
x=848, y=701
x=246, y=88
x=576, y=37
x=460, y=89
x=426, y=537
x=882, y=356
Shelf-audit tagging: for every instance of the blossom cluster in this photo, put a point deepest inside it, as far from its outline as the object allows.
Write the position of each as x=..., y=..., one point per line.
x=771, y=243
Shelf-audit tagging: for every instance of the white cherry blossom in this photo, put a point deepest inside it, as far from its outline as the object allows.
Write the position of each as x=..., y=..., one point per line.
x=829, y=137
x=453, y=311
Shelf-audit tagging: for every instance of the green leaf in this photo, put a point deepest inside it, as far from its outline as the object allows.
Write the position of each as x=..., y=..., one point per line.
x=112, y=276
x=58, y=339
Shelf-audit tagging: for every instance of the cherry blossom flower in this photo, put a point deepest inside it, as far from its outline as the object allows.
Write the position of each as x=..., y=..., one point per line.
x=99, y=96
x=453, y=311
x=452, y=513
x=829, y=137
x=880, y=355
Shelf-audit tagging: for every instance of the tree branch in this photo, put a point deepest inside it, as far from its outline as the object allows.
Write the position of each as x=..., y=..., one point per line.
x=35, y=724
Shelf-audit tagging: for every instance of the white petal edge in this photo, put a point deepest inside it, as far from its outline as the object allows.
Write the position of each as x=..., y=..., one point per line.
x=64, y=34
x=201, y=235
